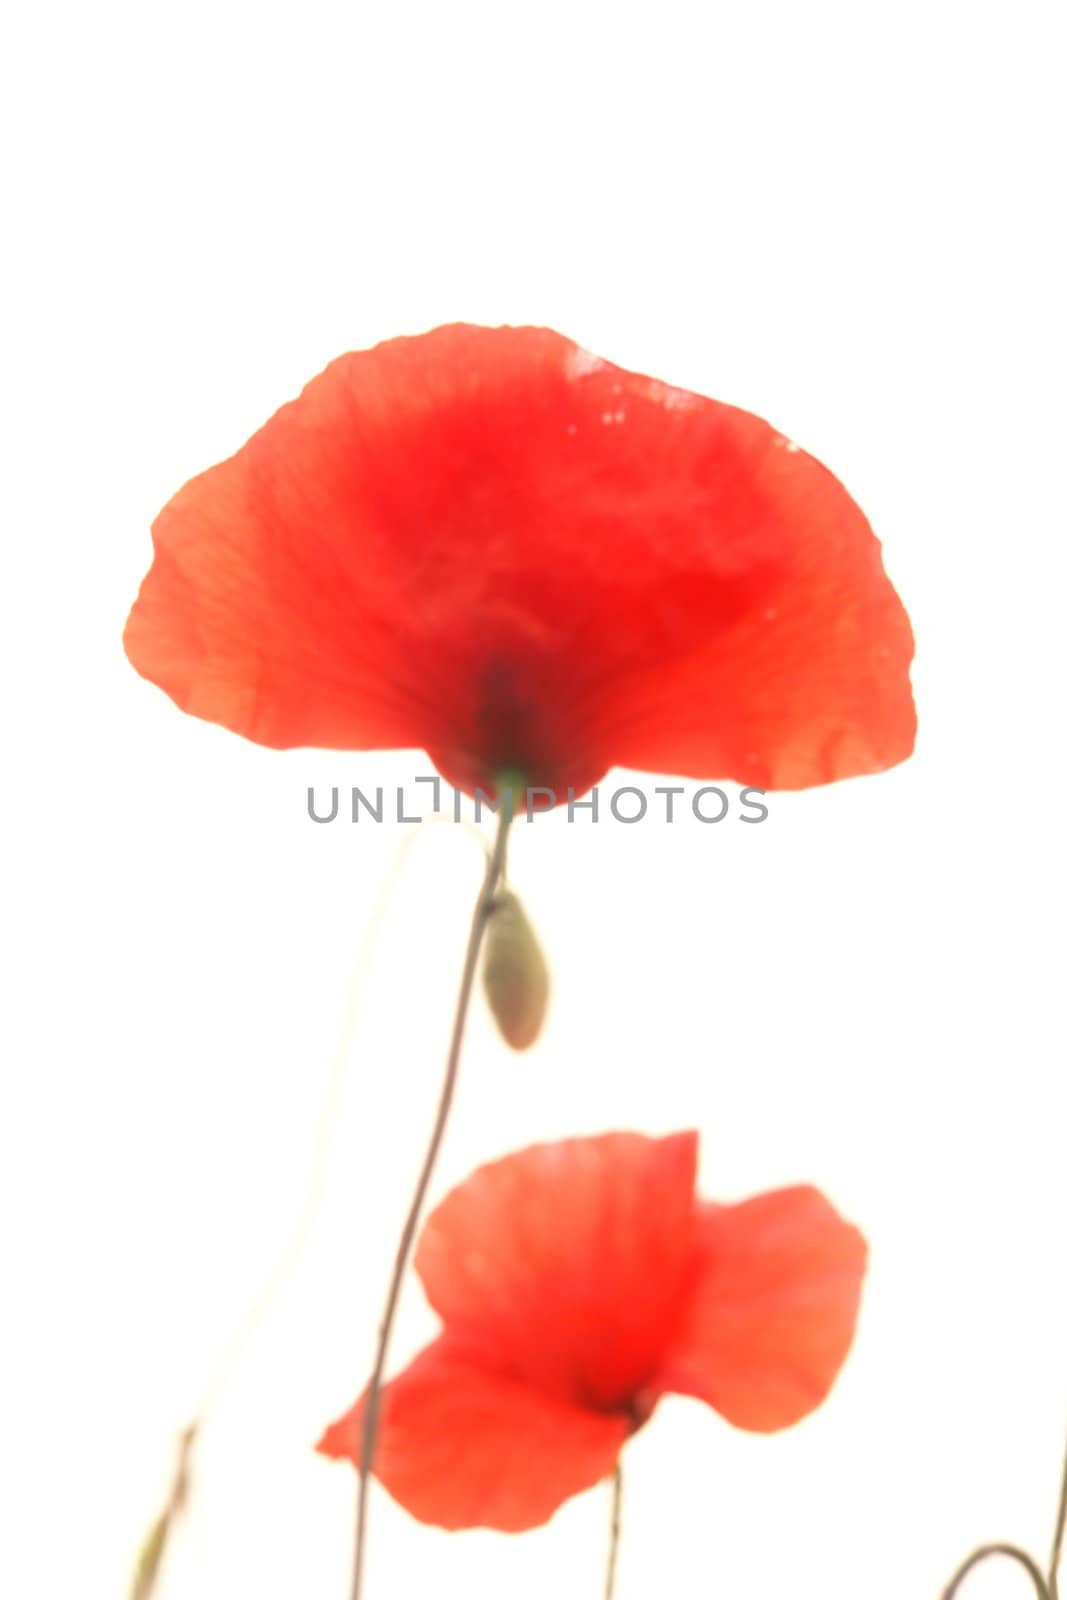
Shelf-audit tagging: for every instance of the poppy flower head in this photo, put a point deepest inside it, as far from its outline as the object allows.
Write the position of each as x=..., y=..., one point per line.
x=576, y=1284
x=564, y=1267
x=487, y=544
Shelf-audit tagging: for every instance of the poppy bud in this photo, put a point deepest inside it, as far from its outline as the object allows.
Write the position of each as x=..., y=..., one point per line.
x=515, y=974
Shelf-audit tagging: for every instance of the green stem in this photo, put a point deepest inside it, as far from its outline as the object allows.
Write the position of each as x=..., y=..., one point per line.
x=1013, y=1551
x=616, y=1529
x=1057, y=1538
x=482, y=911
x=1046, y=1589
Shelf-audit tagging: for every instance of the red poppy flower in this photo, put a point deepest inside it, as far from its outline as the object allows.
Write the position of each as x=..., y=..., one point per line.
x=487, y=544
x=577, y=1283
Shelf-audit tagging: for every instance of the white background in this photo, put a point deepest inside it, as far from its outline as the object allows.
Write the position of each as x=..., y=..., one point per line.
x=841, y=216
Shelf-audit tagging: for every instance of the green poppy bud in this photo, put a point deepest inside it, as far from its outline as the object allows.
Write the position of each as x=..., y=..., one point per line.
x=515, y=974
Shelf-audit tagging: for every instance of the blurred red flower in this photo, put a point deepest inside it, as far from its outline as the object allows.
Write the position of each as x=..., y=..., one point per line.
x=579, y=1282
x=487, y=544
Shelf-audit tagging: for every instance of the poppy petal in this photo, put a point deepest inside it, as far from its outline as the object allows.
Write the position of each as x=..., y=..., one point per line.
x=773, y=1311
x=808, y=681
x=488, y=544
x=565, y=1265
x=461, y=1448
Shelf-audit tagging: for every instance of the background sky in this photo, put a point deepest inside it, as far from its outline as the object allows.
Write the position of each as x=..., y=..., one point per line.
x=841, y=216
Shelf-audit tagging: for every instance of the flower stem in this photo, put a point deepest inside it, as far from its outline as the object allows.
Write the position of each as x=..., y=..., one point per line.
x=1013, y=1551
x=616, y=1529
x=1057, y=1537
x=157, y=1542
x=1046, y=1589
x=483, y=910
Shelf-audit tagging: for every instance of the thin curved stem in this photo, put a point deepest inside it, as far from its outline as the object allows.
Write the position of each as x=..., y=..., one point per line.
x=1047, y=1589
x=1057, y=1538
x=150, y=1560
x=154, y=1548
x=1014, y=1553
x=616, y=1530
x=482, y=912
x=324, y=1133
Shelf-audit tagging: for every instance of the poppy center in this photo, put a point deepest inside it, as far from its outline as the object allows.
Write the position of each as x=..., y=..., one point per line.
x=522, y=717
x=510, y=718
x=639, y=1408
